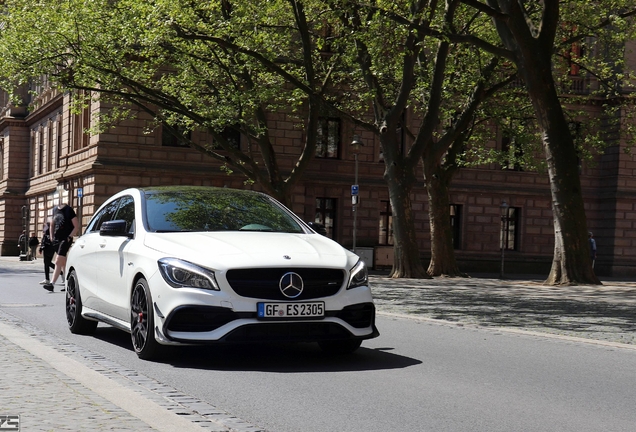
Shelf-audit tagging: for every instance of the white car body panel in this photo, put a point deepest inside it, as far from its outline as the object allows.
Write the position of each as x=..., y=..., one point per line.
x=249, y=248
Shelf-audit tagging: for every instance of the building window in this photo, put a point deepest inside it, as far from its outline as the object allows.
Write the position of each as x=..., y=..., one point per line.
x=2, y=159
x=326, y=215
x=32, y=155
x=509, y=232
x=328, y=139
x=177, y=137
x=573, y=57
x=58, y=148
x=325, y=34
x=385, y=228
x=82, y=123
x=49, y=146
x=455, y=222
x=513, y=153
x=233, y=137
x=40, y=150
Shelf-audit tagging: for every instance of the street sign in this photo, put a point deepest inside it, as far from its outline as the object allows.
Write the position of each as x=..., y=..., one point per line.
x=354, y=190
x=80, y=192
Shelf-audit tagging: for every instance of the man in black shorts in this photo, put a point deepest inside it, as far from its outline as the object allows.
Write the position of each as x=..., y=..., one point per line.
x=65, y=225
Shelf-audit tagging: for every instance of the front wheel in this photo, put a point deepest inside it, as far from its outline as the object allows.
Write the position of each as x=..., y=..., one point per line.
x=340, y=346
x=142, y=327
x=77, y=324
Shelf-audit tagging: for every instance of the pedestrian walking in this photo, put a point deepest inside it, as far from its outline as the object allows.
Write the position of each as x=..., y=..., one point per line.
x=48, y=252
x=33, y=246
x=592, y=247
x=65, y=225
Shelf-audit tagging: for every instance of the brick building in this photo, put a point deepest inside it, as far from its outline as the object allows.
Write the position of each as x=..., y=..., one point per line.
x=45, y=152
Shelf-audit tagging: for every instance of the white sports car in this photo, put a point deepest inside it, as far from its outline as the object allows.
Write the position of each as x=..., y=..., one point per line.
x=190, y=265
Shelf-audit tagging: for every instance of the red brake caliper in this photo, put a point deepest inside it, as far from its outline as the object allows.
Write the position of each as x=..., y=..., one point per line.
x=140, y=317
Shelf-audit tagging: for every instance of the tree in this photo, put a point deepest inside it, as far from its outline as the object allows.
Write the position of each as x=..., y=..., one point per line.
x=142, y=59
x=441, y=160
x=394, y=59
x=215, y=65
x=528, y=32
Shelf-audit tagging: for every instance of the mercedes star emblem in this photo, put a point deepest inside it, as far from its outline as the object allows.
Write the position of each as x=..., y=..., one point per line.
x=291, y=285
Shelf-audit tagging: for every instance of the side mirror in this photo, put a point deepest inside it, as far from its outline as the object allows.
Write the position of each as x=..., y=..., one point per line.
x=115, y=228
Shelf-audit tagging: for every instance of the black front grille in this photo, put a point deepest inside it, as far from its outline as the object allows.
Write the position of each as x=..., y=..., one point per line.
x=264, y=283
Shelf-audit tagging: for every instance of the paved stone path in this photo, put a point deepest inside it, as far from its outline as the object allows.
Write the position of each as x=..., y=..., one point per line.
x=605, y=313
x=57, y=386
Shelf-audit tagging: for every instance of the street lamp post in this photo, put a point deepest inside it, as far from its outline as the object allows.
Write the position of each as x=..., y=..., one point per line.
x=504, y=220
x=355, y=144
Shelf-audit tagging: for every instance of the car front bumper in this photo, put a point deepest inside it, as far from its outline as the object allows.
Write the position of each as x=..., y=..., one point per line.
x=195, y=316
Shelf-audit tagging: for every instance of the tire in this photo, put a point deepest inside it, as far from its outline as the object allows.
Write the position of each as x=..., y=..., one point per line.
x=339, y=347
x=77, y=324
x=142, y=323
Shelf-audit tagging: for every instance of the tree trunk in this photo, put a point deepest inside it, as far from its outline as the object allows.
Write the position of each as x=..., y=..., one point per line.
x=571, y=262
x=443, y=260
x=406, y=258
x=532, y=51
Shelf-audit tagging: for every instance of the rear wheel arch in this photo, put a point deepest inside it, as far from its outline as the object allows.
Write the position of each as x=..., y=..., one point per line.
x=77, y=324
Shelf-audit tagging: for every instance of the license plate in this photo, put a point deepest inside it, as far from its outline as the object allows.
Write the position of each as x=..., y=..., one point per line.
x=291, y=310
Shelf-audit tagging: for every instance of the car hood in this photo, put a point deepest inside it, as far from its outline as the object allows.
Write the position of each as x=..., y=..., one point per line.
x=221, y=250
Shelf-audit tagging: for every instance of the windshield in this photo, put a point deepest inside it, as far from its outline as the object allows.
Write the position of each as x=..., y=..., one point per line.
x=211, y=209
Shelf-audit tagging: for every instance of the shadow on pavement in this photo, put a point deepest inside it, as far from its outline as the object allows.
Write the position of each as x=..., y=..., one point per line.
x=275, y=357
x=607, y=312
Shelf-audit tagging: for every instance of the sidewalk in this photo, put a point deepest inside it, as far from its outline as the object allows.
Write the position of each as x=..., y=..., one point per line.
x=605, y=313
x=57, y=386
x=54, y=385
x=47, y=382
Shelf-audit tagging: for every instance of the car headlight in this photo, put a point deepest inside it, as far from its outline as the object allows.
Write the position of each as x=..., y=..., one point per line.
x=184, y=274
x=359, y=276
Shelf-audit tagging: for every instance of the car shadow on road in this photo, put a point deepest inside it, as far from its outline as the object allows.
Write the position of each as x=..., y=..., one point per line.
x=265, y=357
x=287, y=358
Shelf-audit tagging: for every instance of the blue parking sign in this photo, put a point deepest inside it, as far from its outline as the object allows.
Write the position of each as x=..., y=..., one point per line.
x=354, y=189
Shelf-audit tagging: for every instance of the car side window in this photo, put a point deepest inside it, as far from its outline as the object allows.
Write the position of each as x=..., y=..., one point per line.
x=127, y=212
x=103, y=215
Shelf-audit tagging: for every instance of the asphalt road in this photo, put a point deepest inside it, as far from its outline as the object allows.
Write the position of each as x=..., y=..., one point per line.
x=419, y=375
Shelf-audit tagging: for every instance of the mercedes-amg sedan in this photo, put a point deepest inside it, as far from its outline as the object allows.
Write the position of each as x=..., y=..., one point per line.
x=194, y=265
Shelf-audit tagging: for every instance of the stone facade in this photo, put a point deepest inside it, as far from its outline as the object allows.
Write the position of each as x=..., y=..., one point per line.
x=45, y=152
